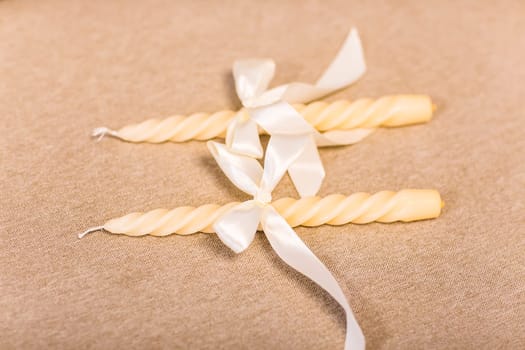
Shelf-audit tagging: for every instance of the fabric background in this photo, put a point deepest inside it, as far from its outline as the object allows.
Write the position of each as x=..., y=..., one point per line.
x=457, y=282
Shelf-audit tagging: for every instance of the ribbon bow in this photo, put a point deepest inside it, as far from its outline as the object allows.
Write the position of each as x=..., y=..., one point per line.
x=270, y=109
x=237, y=227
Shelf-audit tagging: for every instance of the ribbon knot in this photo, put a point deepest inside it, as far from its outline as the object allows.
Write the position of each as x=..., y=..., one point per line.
x=270, y=110
x=237, y=227
x=262, y=197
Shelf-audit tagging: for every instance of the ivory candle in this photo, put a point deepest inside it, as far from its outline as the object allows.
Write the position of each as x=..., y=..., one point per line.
x=337, y=209
x=387, y=111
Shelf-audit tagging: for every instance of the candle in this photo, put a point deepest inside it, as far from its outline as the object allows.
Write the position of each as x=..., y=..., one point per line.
x=387, y=111
x=337, y=209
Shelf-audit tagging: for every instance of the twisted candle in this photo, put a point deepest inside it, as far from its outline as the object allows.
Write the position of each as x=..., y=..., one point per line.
x=387, y=111
x=337, y=209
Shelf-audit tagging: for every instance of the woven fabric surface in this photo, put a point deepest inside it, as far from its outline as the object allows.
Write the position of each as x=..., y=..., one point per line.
x=457, y=282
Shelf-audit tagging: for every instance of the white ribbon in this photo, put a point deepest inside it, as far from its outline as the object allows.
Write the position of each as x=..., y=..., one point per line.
x=270, y=110
x=237, y=227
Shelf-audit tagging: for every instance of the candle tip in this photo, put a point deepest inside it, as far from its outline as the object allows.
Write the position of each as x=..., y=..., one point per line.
x=99, y=133
x=89, y=230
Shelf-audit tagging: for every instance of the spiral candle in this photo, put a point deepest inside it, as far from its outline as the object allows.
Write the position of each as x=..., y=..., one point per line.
x=387, y=111
x=337, y=209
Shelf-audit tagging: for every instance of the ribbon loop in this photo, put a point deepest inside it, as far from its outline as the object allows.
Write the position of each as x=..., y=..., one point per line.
x=252, y=77
x=244, y=172
x=237, y=227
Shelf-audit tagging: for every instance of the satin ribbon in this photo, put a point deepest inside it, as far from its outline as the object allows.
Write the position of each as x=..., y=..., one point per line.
x=270, y=109
x=237, y=227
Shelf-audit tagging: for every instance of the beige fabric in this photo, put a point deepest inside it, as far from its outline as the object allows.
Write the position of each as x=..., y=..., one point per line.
x=69, y=66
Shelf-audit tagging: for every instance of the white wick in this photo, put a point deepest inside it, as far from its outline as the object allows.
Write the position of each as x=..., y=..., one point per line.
x=103, y=131
x=89, y=230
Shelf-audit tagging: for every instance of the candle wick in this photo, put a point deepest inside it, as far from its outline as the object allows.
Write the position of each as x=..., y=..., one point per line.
x=89, y=230
x=103, y=131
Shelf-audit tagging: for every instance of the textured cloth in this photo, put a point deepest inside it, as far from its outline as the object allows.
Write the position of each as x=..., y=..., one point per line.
x=457, y=282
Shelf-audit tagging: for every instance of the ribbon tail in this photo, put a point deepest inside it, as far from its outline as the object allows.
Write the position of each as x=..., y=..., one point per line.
x=341, y=137
x=307, y=171
x=347, y=67
x=281, y=152
x=291, y=249
x=242, y=137
x=237, y=227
